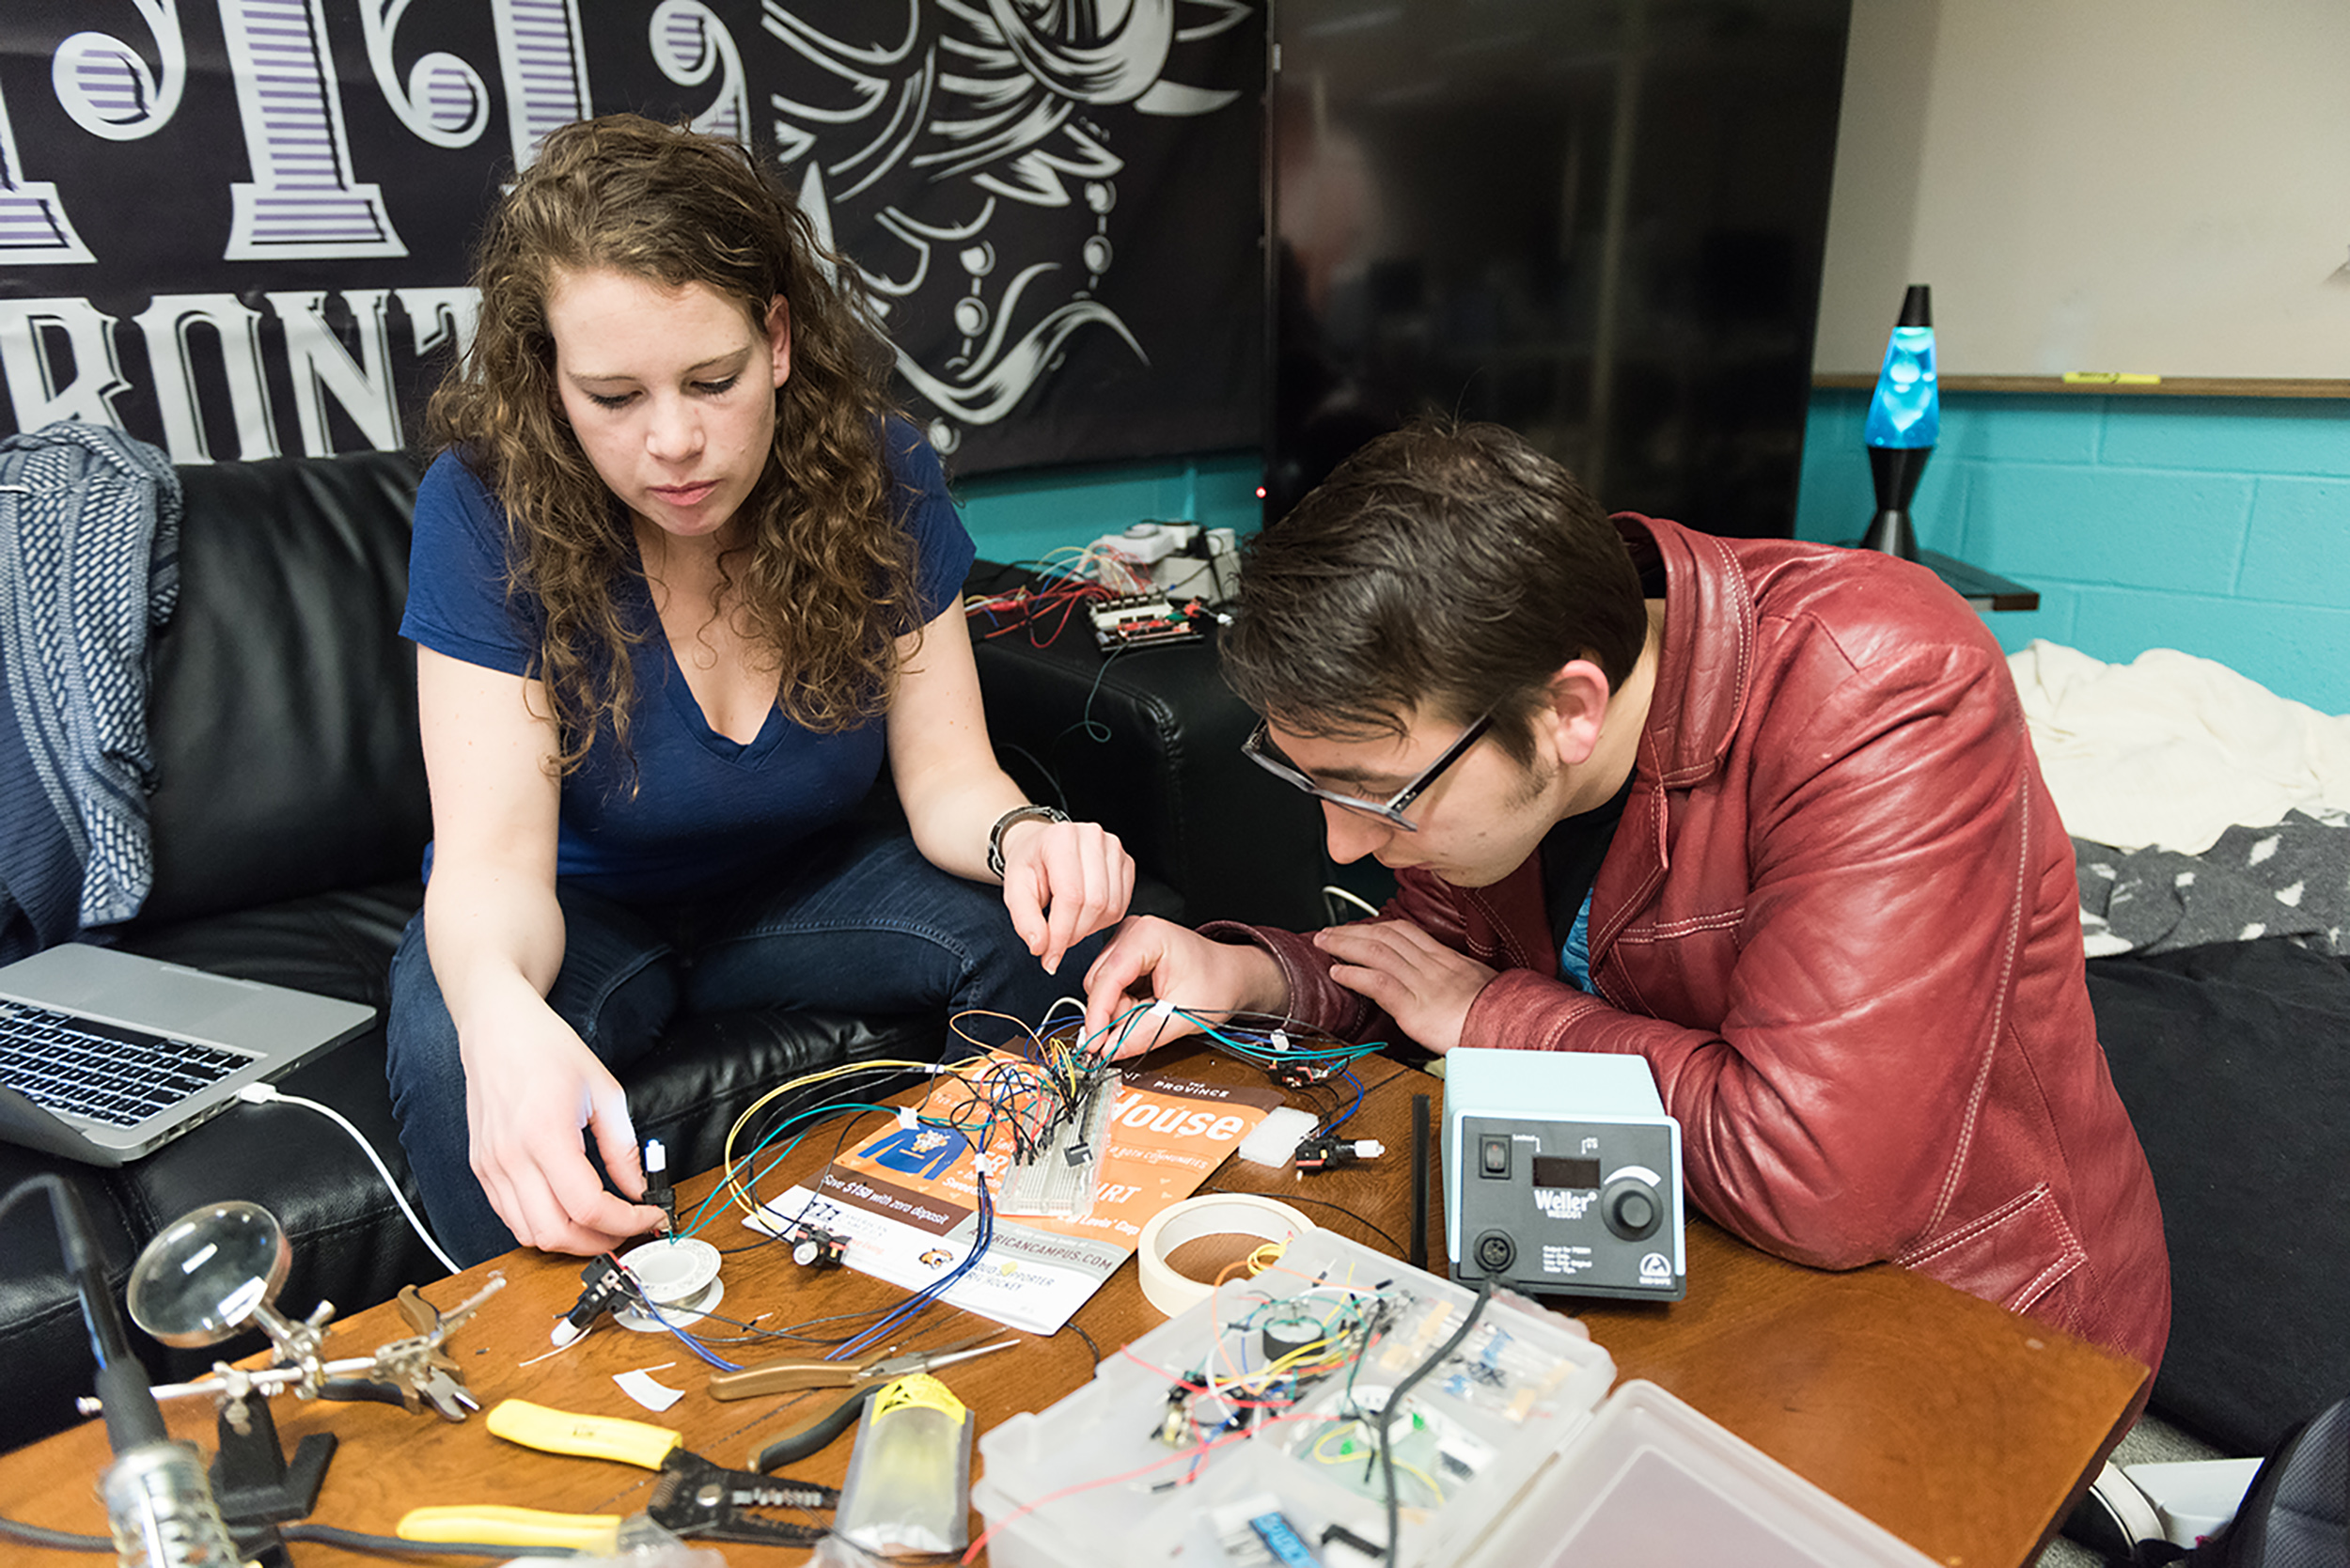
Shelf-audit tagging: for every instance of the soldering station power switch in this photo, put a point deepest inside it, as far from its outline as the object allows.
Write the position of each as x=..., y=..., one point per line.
x=1562, y=1174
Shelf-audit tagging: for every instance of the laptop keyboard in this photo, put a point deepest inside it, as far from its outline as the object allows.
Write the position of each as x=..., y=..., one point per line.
x=106, y=1072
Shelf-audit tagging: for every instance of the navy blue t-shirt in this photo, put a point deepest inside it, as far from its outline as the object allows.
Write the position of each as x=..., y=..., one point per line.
x=709, y=813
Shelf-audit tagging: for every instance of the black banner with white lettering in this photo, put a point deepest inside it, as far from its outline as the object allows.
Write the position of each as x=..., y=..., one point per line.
x=239, y=229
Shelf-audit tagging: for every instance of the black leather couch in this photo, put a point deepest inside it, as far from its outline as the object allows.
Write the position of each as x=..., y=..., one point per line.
x=288, y=818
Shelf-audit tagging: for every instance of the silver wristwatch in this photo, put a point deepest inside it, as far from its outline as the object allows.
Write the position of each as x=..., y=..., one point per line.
x=1030, y=811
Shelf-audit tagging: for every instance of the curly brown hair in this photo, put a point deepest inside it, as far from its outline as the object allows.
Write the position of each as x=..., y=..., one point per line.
x=825, y=575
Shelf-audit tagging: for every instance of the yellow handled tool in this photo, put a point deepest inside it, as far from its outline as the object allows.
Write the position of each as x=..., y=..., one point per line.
x=495, y=1525
x=693, y=1498
x=535, y=1426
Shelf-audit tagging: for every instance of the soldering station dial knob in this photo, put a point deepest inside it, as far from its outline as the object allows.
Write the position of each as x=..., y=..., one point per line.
x=1631, y=1207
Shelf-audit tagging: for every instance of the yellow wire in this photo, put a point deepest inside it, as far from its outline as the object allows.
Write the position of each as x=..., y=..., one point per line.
x=739, y=1194
x=1405, y=1466
x=1005, y=1100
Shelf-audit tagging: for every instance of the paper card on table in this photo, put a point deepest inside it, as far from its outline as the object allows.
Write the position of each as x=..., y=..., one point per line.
x=907, y=1199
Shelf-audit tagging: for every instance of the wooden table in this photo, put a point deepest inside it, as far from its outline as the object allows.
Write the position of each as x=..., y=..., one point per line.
x=1960, y=1427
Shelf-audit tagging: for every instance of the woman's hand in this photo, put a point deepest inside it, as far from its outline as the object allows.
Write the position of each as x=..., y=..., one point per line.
x=531, y=1087
x=1062, y=883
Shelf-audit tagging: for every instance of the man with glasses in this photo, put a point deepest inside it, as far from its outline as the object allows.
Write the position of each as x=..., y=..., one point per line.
x=1762, y=813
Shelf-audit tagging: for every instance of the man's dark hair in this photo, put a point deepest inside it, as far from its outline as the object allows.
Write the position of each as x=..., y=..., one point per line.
x=1445, y=569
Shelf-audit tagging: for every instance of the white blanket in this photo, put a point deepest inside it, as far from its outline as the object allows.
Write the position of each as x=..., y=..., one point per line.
x=2171, y=750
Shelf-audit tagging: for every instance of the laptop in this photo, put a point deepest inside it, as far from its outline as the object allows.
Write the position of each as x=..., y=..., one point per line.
x=104, y=1056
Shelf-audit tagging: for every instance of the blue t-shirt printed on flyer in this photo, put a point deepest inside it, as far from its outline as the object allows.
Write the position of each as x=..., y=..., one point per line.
x=917, y=1151
x=1575, y=953
x=699, y=814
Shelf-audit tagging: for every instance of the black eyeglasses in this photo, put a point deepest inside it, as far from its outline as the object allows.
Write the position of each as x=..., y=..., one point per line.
x=1389, y=810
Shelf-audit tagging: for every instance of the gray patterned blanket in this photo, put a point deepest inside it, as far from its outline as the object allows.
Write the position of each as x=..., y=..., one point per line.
x=2291, y=880
x=88, y=562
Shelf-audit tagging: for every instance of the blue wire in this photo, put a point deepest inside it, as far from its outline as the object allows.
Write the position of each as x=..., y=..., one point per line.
x=644, y=1303
x=1350, y=1077
x=981, y=1240
x=915, y=1303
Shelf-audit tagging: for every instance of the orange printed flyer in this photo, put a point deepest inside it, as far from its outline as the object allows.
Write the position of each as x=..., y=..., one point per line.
x=907, y=1198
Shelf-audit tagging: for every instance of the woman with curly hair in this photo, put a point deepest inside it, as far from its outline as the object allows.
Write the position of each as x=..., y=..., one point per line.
x=681, y=585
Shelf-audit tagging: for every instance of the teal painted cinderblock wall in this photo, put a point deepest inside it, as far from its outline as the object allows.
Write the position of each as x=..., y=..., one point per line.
x=1026, y=514
x=2219, y=526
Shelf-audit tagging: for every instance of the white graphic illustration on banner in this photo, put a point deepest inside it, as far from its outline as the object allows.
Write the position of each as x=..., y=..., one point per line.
x=994, y=104
x=443, y=101
x=989, y=95
x=107, y=89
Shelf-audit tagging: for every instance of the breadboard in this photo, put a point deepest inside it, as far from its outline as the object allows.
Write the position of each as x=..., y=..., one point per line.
x=1052, y=1185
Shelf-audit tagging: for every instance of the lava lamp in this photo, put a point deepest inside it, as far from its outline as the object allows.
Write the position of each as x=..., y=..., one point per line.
x=1904, y=421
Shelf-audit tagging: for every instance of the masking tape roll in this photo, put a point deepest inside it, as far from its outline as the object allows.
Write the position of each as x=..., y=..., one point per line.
x=1218, y=1214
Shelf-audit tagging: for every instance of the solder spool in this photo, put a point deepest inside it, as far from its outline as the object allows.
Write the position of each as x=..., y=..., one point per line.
x=1218, y=1214
x=681, y=1277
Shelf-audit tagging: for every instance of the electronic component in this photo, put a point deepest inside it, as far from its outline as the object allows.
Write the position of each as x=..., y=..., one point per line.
x=1291, y=1334
x=1255, y=1533
x=1323, y=1150
x=1180, y=560
x=1295, y=1065
x=1506, y=1447
x=1482, y=1406
x=608, y=1287
x=815, y=1248
x=1562, y=1173
x=657, y=1189
x=1135, y=619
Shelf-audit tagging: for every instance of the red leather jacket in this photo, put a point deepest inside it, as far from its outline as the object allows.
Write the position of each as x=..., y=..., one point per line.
x=1838, y=919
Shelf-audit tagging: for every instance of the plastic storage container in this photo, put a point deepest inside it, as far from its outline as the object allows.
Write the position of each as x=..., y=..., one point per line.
x=1510, y=1455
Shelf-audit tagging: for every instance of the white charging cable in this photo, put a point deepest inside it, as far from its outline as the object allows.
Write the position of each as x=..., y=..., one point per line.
x=258, y=1093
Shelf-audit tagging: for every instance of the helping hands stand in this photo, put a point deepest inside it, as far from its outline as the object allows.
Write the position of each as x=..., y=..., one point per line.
x=219, y=1268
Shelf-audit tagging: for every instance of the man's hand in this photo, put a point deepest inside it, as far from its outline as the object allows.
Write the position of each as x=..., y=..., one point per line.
x=1153, y=958
x=1062, y=883
x=531, y=1085
x=1424, y=986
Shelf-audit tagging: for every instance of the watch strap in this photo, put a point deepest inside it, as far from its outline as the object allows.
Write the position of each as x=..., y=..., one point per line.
x=1025, y=812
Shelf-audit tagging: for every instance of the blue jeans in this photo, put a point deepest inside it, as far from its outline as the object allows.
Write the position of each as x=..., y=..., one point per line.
x=870, y=927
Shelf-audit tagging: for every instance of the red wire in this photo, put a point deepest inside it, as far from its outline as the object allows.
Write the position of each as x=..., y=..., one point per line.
x=1033, y=608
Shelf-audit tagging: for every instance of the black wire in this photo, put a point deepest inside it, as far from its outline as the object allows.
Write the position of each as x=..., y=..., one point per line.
x=1395, y=1398
x=1326, y=1204
x=1088, y=1338
x=391, y=1546
x=325, y=1535
x=55, y=1540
